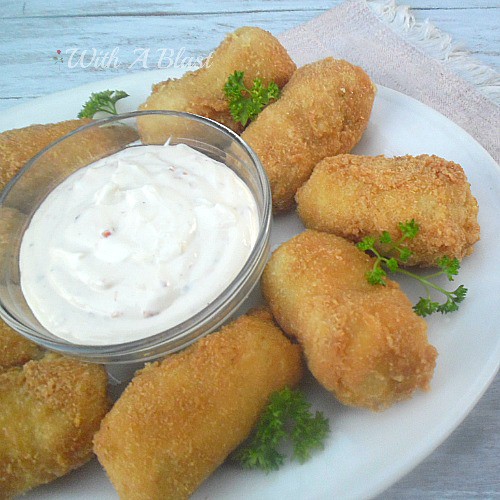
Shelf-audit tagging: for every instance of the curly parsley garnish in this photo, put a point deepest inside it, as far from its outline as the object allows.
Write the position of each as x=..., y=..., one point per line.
x=102, y=101
x=244, y=103
x=287, y=414
x=449, y=267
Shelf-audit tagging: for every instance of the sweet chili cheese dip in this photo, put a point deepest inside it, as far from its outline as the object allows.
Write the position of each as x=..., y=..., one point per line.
x=136, y=243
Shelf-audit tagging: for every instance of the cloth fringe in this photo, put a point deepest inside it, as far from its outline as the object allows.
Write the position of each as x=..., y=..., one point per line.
x=438, y=45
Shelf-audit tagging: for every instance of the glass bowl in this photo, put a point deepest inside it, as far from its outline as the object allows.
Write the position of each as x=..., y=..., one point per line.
x=103, y=137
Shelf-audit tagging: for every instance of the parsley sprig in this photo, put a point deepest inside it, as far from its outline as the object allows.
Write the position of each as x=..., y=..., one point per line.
x=287, y=409
x=102, y=101
x=244, y=103
x=448, y=267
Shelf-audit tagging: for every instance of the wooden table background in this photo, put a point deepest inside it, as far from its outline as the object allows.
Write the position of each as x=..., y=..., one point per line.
x=31, y=31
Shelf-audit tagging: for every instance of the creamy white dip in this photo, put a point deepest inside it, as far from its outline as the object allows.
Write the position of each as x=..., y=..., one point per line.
x=136, y=243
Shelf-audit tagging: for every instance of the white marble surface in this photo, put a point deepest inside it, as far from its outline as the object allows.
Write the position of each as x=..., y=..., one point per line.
x=466, y=465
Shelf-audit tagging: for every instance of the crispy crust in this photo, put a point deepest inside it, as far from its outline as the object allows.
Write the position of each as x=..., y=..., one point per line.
x=252, y=50
x=356, y=196
x=362, y=342
x=50, y=411
x=187, y=413
x=20, y=145
x=15, y=350
x=323, y=111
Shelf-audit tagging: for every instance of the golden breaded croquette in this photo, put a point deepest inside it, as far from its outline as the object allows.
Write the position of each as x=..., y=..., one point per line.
x=356, y=196
x=20, y=145
x=323, y=111
x=11, y=220
x=178, y=420
x=254, y=51
x=15, y=350
x=50, y=410
x=11, y=225
x=362, y=342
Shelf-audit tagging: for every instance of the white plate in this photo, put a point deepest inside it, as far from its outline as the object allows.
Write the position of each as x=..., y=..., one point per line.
x=366, y=452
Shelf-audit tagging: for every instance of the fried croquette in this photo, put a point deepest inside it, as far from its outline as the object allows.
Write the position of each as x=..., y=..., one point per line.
x=356, y=196
x=323, y=111
x=50, y=410
x=15, y=350
x=11, y=224
x=252, y=50
x=20, y=145
x=178, y=420
x=362, y=342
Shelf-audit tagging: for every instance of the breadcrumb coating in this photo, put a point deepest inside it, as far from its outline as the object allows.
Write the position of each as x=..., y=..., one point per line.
x=357, y=196
x=254, y=51
x=17, y=146
x=179, y=419
x=362, y=342
x=20, y=145
x=323, y=111
x=50, y=410
x=15, y=350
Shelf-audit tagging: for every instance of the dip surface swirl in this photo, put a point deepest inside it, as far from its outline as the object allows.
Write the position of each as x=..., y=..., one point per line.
x=136, y=243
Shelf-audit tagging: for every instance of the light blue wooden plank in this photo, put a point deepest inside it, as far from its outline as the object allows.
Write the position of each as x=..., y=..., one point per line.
x=27, y=67
x=15, y=8
x=116, y=7
x=475, y=29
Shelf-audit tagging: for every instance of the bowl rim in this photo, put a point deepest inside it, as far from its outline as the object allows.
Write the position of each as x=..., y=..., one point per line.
x=188, y=331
